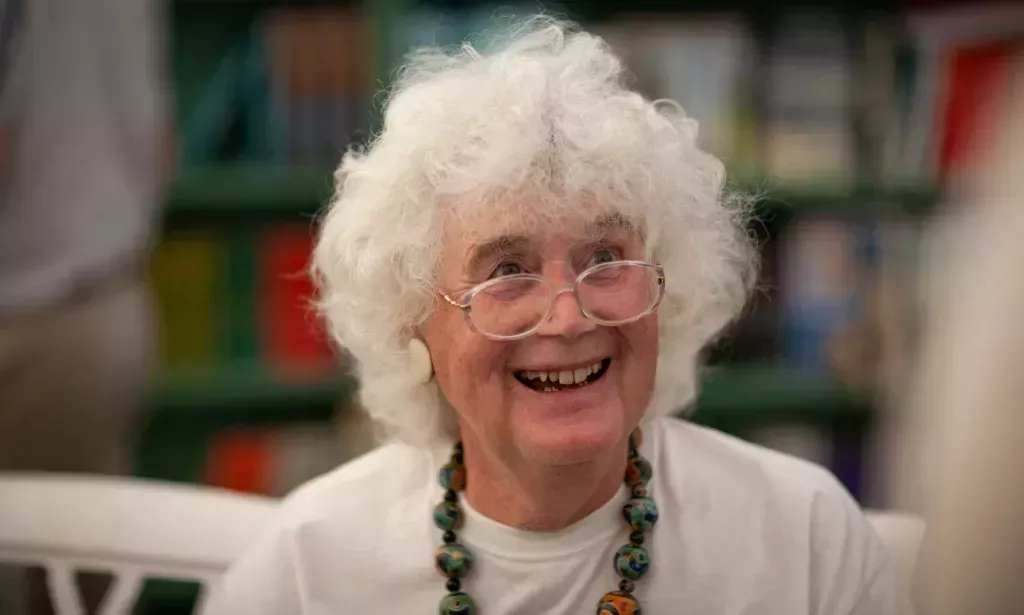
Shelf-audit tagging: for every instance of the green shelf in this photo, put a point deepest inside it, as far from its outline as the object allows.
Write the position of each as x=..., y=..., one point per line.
x=731, y=395
x=250, y=394
x=751, y=395
x=854, y=198
x=244, y=192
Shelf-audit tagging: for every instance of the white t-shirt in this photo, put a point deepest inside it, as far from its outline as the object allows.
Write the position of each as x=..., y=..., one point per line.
x=742, y=530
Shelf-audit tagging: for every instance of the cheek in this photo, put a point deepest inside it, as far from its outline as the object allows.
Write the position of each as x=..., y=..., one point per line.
x=467, y=366
x=641, y=340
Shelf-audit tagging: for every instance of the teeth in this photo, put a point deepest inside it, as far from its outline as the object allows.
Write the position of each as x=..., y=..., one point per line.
x=564, y=377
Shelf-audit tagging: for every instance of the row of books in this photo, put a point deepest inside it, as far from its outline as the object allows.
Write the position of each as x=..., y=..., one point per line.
x=296, y=89
x=817, y=99
x=962, y=71
x=238, y=296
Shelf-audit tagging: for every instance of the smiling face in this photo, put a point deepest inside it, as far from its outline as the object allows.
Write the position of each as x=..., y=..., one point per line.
x=573, y=389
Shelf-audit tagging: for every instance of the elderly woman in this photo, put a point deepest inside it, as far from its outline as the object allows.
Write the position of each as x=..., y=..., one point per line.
x=527, y=263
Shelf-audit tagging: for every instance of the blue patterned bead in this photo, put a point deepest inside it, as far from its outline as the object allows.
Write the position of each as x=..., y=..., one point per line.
x=618, y=603
x=448, y=515
x=457, y=603
x=631, y=562
x=453, y=561
x=640, y=513
x=453, y=476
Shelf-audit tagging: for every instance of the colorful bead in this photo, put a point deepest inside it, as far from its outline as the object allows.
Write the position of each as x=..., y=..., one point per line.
x=640, y=513
x=447, y=515
x=638, y=471
x=618, y=603
x=453, y=476
x=457, y=603
x=631, y=562
x=453, y=561
x=636, y=439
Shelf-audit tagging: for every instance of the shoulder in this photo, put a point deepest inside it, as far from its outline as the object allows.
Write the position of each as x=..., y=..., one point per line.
x=360, y=490
x=704, y=456
x=322, y=523
x=739, y=475
x=756, y=498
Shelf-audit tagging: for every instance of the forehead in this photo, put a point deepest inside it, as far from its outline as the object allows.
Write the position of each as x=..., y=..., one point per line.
x=464, y=230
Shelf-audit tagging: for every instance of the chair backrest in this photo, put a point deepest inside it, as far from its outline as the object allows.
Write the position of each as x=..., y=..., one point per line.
x=901, y=533
x=132, y=528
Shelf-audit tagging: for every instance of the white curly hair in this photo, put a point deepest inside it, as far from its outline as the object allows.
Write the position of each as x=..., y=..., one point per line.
x=544, y=113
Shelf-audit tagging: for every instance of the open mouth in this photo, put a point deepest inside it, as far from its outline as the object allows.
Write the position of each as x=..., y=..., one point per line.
x=550, y=382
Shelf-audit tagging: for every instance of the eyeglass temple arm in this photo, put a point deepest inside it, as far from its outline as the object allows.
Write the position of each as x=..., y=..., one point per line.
x=454, y=302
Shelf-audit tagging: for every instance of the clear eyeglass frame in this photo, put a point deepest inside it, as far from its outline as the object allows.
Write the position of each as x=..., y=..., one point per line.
x=464, y=302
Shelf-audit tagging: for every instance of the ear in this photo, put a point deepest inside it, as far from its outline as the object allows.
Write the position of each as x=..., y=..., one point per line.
x=421, y=368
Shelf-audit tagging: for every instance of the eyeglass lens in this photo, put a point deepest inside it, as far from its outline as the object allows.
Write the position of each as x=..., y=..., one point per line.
x=613, y=294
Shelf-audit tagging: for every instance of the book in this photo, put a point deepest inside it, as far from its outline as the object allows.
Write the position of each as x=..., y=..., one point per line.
x=292, y=337
x=186, y=269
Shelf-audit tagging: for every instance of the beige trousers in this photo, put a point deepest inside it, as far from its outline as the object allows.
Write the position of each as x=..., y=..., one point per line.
x=74, y=382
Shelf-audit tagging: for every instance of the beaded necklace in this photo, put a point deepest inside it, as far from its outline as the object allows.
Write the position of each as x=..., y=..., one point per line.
x=631, y=561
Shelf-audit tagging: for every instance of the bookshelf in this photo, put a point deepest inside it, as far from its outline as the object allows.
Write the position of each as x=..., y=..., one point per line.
x=241, y=192
x=242, y=186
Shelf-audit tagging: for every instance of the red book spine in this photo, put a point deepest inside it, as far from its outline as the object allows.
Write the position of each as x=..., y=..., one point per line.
x=975, y=78
x=293, y=337
x=240, y=461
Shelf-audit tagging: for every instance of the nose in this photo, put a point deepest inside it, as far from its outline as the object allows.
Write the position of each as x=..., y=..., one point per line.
x=567, y=318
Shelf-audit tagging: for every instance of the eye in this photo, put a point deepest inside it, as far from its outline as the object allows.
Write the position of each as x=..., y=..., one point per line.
x=506, y=269
x=601, y=256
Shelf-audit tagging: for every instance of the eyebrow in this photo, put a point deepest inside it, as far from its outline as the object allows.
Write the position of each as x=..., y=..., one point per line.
x=484, y=252
x=600, y=227
x=611, y=224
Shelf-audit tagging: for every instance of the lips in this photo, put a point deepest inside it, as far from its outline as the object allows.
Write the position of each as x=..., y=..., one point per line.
x=560, y=380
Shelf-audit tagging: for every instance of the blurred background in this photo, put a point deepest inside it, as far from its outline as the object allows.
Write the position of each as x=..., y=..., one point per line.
x=853, y=122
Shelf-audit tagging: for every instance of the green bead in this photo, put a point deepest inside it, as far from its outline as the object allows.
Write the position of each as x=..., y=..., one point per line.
x=638, y=471
x=453, y=561
x=457, y=603
x=448, y=515
x=618, y=603
x=631, y=562
x=452, y=476
x=641, y=514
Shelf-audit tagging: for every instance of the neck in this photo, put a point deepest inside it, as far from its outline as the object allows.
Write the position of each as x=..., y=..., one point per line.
x=533, y=496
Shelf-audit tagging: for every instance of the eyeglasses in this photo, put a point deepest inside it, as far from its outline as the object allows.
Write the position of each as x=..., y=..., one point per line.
x=515, y=306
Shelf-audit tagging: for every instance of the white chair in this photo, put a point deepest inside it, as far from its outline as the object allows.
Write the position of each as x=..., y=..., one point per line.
x=901, y=533
x=129, y=527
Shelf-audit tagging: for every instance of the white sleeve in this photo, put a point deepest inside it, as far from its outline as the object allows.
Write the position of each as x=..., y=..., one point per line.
x=882, y=595
x=264, y=581
x=851, y=572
